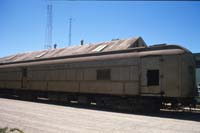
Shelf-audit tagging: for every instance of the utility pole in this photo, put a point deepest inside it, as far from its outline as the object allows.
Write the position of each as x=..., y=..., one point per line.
x=70, y=31
x=49, y=27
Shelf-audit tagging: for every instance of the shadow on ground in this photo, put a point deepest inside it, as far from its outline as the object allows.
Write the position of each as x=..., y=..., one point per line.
x=181, y=115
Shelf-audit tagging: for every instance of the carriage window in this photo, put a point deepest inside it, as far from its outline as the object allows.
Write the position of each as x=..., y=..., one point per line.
x=24, y=72
x=191, y=69
x=198, y=64
x=103, y=74
x=152, y=77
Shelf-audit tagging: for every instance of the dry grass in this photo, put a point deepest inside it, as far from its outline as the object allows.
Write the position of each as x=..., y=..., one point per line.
x=10, y=130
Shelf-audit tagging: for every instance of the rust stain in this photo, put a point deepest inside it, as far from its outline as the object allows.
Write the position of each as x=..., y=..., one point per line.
x=75, y=50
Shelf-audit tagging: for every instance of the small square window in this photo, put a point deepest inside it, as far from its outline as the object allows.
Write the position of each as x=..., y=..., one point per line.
x=152, y=77
x=103, y=74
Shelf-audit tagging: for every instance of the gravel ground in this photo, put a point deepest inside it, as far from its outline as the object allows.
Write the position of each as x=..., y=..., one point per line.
x=47, y=118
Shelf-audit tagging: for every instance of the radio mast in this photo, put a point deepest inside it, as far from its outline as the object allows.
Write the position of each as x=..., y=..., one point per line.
x=49, y=27
x=70, y=31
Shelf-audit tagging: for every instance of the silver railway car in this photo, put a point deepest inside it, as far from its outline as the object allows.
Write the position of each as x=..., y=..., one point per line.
x=121, y=74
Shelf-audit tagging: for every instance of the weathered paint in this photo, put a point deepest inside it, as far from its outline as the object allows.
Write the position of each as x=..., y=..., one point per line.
x=128, y=70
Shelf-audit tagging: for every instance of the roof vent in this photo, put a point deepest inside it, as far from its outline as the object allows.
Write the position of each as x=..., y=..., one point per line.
x=82, y=42
x=54, y=46
x=115, y=39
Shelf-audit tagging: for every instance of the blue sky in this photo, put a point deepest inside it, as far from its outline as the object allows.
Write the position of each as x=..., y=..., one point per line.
x=23, y=23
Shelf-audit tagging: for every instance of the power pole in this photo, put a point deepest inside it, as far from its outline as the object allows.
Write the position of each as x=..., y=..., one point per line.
x=49, y=27
x=70, y=31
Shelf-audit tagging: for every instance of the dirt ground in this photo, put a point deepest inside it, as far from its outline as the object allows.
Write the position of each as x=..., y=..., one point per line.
x=47, y=118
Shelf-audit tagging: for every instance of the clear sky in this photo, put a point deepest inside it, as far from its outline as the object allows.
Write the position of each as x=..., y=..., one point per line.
x=23, y=23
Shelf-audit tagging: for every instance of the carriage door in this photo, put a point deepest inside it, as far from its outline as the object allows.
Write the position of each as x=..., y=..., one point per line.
x=24, y=77
x=151, y=75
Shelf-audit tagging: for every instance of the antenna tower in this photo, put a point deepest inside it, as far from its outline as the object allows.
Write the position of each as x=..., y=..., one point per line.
x=48, y=34
x=70, y=31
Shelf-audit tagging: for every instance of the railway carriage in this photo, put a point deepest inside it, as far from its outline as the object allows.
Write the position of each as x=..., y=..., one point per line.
x=122, y=74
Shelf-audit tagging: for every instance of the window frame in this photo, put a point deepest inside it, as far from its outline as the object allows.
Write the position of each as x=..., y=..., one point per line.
x=103, y=74
x=24, y=72
x=153, y=77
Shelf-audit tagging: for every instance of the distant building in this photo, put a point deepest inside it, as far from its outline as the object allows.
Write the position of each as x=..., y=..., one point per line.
x=197, y=57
